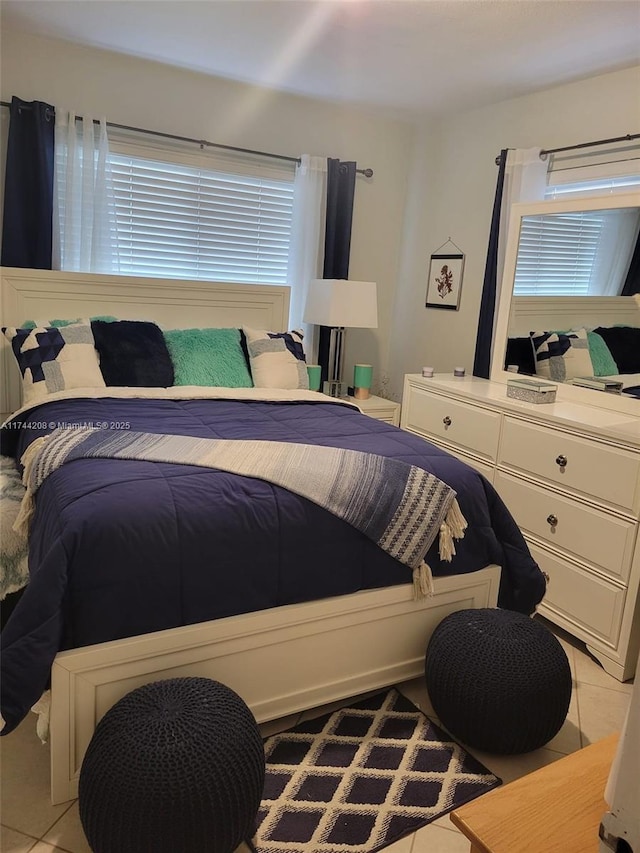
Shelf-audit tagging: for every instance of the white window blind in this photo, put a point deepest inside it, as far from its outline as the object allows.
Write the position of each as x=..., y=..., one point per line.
x=603, y=186
x=556, y=254
x=582, y=253
x=185, y=221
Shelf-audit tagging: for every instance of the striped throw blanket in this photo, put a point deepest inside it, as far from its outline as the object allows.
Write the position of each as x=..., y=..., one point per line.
x=398, y=506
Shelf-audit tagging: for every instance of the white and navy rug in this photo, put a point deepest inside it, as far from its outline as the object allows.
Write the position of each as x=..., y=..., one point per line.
x=360, y=778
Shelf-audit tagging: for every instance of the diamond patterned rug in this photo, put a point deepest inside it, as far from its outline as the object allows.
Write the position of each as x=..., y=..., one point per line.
x=360, y=778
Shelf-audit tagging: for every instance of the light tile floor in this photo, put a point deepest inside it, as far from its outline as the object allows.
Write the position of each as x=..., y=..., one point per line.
x=31, y=823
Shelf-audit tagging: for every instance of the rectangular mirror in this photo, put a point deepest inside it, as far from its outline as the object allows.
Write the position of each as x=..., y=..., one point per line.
x=560, y=316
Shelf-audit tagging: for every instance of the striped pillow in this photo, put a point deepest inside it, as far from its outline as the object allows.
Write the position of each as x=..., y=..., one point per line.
x=562, y=356
x=277, y=359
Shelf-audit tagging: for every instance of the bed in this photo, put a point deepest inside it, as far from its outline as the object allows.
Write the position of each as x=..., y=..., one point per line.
x=604, y=327
x=135, y=578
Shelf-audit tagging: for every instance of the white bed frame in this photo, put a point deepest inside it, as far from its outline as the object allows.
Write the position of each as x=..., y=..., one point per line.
x=281, y=661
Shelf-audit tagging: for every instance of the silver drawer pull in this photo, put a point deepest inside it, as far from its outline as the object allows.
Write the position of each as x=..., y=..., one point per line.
x=446, y=421
x=561, y=461
x=552, y=520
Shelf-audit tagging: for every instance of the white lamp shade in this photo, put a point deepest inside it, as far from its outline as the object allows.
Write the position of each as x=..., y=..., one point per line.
x=340, y=302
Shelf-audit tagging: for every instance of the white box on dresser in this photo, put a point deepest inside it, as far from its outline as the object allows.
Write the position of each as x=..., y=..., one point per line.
x=570, y=475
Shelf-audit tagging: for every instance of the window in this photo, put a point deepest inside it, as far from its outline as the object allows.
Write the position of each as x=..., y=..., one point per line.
x=579, y=254
x=583, y=253
x=604, y=186
x=187, y=220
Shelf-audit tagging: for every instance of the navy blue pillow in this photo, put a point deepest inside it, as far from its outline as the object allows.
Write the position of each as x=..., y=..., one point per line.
x=624, y=345
x=520, y=352
x=133, y=353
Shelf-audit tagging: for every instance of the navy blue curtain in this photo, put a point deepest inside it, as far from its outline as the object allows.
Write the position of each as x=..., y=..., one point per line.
x=341, y=188
x=482, y=358
x=28, y=207
x=28, y=189
x=632, y=281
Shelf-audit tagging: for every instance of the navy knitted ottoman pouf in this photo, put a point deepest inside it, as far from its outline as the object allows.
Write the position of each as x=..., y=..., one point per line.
x=176, y=766
x=498, y=680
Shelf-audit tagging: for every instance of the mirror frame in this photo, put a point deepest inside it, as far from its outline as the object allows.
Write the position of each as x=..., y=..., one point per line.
x=565, y=392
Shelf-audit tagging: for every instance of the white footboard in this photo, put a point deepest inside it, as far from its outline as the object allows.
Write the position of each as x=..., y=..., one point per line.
x=281, y=661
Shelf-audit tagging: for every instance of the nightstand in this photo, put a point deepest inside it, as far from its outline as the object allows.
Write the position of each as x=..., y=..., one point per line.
x=379, y=408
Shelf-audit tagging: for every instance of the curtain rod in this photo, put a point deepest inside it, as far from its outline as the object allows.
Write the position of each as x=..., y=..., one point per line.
x=545, y=152
x=368, y=173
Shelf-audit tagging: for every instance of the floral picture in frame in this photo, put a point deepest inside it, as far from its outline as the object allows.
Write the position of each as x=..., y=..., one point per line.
x=445, y=281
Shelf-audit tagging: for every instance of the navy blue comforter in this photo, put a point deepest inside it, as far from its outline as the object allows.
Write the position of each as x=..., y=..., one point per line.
x=120, y=548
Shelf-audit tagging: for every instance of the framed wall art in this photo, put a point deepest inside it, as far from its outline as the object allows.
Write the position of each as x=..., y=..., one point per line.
x=445, y=281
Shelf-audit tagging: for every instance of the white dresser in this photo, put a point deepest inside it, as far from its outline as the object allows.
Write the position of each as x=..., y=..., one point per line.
x=570, y=475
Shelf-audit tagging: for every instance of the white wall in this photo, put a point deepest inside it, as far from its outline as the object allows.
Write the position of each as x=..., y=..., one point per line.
x=151, y=95
x=452, y=186
x=430, y=183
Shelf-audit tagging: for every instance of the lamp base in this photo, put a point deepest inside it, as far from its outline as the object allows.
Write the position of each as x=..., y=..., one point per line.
x=334, y=388
x=361, y=393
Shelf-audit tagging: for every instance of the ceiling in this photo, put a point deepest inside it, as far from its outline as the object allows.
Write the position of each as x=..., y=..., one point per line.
x=407, y=57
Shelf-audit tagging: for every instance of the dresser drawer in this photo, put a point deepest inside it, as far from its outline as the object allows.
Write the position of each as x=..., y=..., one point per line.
x=454, y=422
x=608, y=473
x=596, y=537
x=580, y=598
x=487, y=471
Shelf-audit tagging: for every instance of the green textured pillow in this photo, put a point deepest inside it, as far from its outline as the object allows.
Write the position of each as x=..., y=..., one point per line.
x=601, y=358
x=210, y=357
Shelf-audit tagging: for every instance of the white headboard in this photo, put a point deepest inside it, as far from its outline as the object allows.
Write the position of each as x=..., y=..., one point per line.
x=27, y=294
x=559, y=313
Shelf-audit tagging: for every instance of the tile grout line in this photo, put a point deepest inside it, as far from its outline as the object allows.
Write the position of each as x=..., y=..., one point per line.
x=36, y=840
x=573, y=665
x=20, y=831
x=24, y=834
x=606, y=687
x=575, y=684
x=56, y=821
x=582, y=744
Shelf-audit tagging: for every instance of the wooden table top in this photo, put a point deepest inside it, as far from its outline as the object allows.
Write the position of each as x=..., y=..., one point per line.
x=556, y=809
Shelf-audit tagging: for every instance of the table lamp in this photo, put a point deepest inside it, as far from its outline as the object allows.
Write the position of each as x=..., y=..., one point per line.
x=339, y=303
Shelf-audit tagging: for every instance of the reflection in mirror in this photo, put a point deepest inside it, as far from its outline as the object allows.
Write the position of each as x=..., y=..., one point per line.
x=562, y=315
x=578, y=253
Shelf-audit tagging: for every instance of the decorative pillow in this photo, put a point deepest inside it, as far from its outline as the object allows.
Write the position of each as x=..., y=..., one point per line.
x=52, y=359
x=133, y=353
x=520, y=352
x=562, y=356
x=277, y=359
x=211, y=357
x=624, y=346
x=601, y=358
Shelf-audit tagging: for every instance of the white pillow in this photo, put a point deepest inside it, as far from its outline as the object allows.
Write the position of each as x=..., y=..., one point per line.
x=277, y=359
x=55, y=359
x=562, y=355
